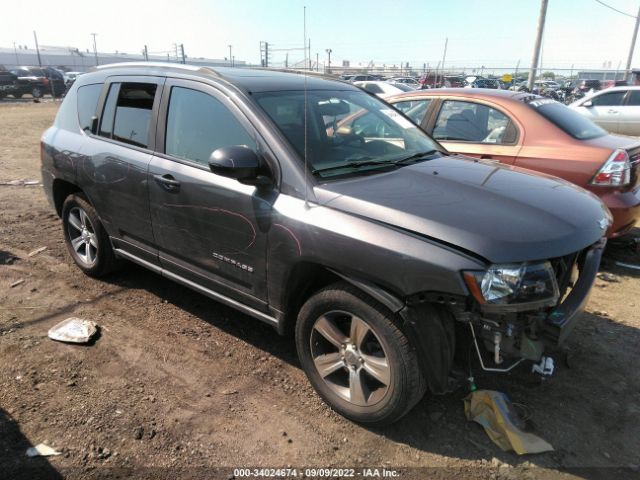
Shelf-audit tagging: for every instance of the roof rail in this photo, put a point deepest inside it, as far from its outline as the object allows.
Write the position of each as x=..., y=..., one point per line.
x=174, y=66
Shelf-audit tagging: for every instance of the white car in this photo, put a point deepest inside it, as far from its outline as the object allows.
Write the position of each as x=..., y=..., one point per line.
x=384, y=89
x=615, y=109
x=410, y=82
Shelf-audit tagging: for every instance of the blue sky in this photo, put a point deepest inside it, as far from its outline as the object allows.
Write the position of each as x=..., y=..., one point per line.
x=481, y=32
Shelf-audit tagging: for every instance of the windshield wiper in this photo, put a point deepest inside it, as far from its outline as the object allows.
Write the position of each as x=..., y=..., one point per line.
x=360, y=164
x=415, y=157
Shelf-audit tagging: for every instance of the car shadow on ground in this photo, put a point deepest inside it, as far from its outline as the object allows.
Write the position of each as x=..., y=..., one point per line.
x=578, y=402
x=14, y=463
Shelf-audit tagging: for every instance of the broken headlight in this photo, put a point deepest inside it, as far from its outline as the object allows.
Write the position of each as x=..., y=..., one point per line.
x=519, y=284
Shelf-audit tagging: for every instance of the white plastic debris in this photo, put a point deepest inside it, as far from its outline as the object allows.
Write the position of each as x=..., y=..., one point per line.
x=42, y=450
x=73, y=330
x=545, y=367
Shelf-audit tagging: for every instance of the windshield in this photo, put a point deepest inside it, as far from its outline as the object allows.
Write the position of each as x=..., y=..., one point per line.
x=346, y=130
x=571, y=122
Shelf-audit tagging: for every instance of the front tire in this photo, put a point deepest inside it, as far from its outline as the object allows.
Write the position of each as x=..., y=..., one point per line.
x=86, y=238
x=356, y=356
x=36, y=92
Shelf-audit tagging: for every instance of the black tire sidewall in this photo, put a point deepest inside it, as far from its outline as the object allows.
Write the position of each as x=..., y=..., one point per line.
x=394, y=403
x=104, y=247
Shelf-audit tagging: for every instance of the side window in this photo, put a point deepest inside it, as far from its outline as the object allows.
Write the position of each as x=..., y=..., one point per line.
x=634, y=98
x=372, y=87
x=473, y=122
x=608, y=99
x=198, y=124
x=127, y=113
x=88, y=96
x=414, y=109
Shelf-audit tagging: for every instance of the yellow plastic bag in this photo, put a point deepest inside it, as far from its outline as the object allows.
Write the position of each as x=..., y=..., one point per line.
x=494, y=411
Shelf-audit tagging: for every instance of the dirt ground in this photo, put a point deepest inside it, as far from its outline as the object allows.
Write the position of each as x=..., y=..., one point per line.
x=178, y=386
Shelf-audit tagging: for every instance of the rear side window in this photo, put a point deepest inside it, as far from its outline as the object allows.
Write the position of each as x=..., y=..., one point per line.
x=198, y=124
x=634, y=98
x=127, y=113
x=88, y=96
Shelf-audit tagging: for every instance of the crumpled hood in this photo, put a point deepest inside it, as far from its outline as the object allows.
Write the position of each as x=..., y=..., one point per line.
x=501, y=213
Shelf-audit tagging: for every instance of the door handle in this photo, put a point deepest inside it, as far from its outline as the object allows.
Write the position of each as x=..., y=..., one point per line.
x=167, y=182
x=611, y=110
x=486, y=157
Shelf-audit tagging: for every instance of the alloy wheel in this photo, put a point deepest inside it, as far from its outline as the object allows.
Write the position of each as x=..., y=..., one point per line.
x=82, y=236
x=350, y=358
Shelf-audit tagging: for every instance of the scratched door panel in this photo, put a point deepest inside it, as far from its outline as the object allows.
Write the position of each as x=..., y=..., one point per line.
x=209, y=228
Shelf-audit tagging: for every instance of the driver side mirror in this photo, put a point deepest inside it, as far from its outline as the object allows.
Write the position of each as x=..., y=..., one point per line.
x=588, y=103
x=239, y=162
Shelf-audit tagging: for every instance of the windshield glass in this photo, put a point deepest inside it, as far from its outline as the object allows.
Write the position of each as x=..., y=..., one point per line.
x=573, y=123
x=346, y=130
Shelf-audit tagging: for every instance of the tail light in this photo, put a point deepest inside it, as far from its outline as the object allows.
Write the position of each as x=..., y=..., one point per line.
x=616, y=171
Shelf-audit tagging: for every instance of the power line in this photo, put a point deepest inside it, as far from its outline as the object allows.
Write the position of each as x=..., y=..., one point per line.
x=615, y=9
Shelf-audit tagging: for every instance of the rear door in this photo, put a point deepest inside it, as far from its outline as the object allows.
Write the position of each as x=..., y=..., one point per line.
x=477, y=129
x=630, y=114
x=114, y=162
x=210, y=230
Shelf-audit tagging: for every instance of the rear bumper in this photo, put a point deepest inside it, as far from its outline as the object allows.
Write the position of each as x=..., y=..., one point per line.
x=562, y=319
x=625, y=208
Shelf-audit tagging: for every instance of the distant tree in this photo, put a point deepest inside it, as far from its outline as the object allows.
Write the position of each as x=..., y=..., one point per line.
x=550, y=75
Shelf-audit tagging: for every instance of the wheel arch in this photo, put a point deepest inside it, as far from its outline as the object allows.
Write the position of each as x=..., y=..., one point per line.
x=306, y=278
x=61, y=190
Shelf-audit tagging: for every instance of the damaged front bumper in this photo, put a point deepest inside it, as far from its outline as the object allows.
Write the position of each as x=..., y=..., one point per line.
x=526, y=335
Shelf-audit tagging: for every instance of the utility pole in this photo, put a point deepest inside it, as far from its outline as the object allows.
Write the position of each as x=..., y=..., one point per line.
x=309, y=54
x=230, y=47
x=444, y=55
x=35, y=37
x=317, y=62
x=516, y=73
x=95, y=49
x=286, y=61
x=328, y=50
x=266, y=54
x=538, y=44
x=145, y=52
x=182, y=53
x=15, y=50
x=632, y=47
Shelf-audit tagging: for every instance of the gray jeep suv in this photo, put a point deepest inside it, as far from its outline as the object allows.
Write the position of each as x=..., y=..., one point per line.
x=383, y=252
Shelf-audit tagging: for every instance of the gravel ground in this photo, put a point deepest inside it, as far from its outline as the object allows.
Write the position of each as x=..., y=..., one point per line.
x=178, y=386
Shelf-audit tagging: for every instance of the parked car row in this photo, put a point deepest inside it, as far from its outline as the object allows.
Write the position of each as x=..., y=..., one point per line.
x=323, y=211
x=35, y=81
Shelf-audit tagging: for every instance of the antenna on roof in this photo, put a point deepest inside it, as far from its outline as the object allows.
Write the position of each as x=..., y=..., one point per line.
x=304, y=73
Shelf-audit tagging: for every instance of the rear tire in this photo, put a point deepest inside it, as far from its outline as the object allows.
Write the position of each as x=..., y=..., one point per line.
x=86, y=238
x=356, y=357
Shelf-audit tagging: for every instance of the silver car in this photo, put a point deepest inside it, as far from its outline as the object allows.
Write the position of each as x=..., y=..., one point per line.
x=616, y=109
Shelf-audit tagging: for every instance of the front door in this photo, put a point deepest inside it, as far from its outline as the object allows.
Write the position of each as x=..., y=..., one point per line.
x=605, y=110
x=210, y=229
